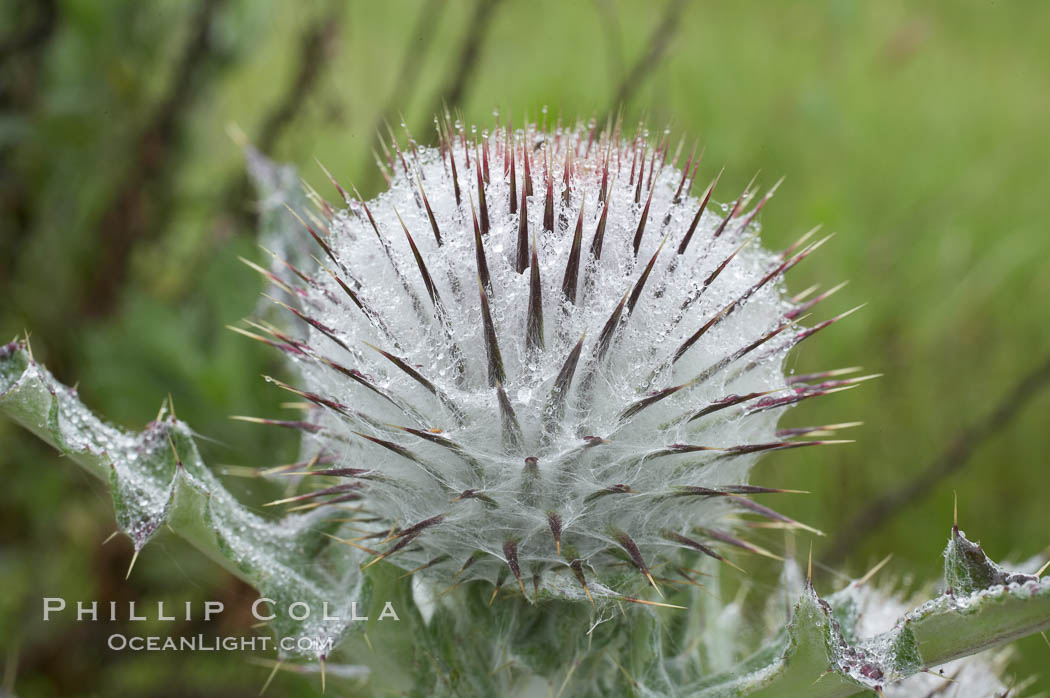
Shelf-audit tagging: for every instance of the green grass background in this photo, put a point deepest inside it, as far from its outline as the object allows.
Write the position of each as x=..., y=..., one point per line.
x=918, y=132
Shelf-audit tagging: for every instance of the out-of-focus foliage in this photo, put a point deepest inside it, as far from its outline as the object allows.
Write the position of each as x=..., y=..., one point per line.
x=918, y=133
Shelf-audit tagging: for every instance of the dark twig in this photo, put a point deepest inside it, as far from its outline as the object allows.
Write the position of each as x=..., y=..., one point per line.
x=130, y=214
x=614, y=47
x=950, y=461
x=23, y=52
x=654, y=53
x=316, y=47
x=415, y=49
x=452, y=94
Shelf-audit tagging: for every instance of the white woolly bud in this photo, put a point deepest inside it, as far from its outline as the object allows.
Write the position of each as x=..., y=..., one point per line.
x=550, y=359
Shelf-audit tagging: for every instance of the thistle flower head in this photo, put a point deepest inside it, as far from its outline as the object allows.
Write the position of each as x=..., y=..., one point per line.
x=540, y=360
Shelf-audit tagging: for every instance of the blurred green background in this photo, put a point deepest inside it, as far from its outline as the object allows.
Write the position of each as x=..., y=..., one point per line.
x=918, y=132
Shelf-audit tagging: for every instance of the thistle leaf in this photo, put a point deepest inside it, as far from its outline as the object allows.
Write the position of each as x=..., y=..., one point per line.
x=818, y=653
x=157, y=479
